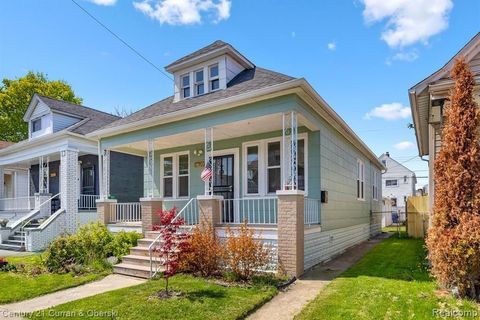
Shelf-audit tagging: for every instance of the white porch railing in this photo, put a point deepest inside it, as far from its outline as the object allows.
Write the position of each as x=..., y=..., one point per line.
x=125, y=212
x=187, y=209
x=20, y=203
x=261, y=210
x=88, y=202
x=312, y=211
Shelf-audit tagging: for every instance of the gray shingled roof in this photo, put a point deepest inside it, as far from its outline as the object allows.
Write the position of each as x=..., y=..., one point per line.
x=211, y=47
x=245, y=81
x=92, y=119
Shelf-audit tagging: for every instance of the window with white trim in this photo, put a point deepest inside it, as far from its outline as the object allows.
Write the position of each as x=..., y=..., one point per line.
x=274, y=170
x=360, y=180
x=375, y=185
x=262, y=166
x=175, y=175
x=199, y=83
x=185, y=84
x=214, y=77
x=37, y=125
x=391, y=183
x=252, y=170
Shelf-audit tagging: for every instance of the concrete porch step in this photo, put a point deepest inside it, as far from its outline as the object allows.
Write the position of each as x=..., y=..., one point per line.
x=137, y=260
x=132, y=270
x=11, y=247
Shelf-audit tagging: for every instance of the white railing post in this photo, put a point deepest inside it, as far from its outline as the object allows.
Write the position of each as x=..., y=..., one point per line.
x=209, y=160
x=289, y=151
x=150, y=163
x=43, y=174
x=255, y=210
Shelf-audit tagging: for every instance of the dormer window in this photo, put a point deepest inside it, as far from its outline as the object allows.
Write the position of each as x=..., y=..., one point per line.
x=199, y=83
x=214, y=77
x=37, y=125
x=185, y=85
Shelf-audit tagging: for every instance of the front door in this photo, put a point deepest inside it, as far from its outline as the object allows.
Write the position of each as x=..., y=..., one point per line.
x=88, y=180
x=223, y=182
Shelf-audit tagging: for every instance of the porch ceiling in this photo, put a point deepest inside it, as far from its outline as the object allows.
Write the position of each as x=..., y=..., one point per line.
x=230, y=130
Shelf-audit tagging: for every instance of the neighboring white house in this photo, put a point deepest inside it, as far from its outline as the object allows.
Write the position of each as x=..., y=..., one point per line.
x=398, y=183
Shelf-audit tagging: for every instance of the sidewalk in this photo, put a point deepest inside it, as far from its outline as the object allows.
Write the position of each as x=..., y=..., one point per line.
x=287, y=304
x=109, y=283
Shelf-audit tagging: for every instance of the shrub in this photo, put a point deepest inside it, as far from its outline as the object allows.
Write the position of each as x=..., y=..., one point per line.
x=173, y=242
x=243, y=255
x=122, y=242
x=90, y=246
x=454, y=239
x=203, y=253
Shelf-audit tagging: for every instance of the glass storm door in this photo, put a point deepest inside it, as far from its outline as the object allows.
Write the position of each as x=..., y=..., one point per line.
x=224, y=184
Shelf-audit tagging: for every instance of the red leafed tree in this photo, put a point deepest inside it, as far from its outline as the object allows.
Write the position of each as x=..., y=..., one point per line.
x=173, y=242
x=454, y=239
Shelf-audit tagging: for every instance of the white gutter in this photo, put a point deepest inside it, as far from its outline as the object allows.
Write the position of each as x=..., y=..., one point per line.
x=26, y=144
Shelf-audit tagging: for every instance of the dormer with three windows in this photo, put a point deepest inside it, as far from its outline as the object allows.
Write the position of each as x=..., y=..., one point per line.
x=207, y=70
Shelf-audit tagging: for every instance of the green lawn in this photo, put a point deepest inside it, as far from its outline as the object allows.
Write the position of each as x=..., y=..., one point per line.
x=389, y=282
x=21, y=286
x=202, y=300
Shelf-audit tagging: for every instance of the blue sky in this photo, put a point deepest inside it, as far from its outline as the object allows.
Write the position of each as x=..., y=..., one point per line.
x=360, y=55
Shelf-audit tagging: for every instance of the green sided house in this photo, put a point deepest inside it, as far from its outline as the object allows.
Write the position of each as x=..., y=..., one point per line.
x=236, y=142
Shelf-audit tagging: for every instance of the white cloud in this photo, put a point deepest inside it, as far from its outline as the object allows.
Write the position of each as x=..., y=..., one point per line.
x=104, y=2
x=407, y=56
x=332, y=46
x=408, y=21
x=390, y=111
x=404, y=145
x=184, y=12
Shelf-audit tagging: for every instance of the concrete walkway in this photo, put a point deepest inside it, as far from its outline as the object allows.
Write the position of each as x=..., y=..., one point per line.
x=109, y=283
x=10, y=253
x=287, y=304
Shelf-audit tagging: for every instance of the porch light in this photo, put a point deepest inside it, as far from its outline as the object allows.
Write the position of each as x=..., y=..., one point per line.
x=198, y=152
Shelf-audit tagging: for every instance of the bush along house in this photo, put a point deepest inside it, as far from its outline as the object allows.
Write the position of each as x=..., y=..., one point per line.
x=237, y=142
x=49, y=183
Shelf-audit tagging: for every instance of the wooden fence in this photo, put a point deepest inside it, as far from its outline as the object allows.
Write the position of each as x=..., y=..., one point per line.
x=418, y=215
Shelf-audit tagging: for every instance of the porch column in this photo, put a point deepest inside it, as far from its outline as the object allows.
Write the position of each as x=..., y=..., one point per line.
x=150, y=208
x=104, y=173
x=291, y=232
x=68, y=187
x=150, y=169
x=207, y=174
x=209, y=210
x=2, y=187
x=43, y=174
x=289, y=151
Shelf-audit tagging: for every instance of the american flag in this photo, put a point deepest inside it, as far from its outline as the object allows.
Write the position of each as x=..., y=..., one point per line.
x=206, y=173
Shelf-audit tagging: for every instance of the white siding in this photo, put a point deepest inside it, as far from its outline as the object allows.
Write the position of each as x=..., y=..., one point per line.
x=61, y=121
x=47, y=127
x=233, y=68
x=396, y=171
x=41, y=109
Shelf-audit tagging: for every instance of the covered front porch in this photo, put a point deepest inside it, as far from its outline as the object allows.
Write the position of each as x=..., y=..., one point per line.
x=242, y=164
